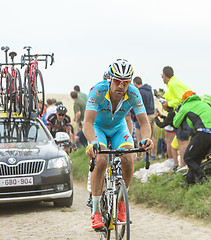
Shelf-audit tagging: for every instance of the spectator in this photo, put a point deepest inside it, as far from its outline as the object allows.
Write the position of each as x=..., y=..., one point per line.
x=80, y=139
x=148, y=100
x=198, y=116
x=176, y=89
x=79, y=108
x=51, y=107
x=169, y=133
x=80, y=94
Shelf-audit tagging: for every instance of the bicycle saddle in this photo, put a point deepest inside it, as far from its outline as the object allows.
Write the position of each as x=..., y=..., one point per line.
x=27, y=47
x=12, y=54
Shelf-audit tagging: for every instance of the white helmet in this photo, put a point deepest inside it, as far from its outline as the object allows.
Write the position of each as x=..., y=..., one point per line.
x=121, y=69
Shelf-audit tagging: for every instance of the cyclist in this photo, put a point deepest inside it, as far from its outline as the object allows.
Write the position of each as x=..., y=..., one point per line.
x=108, y=104
x=198, y=116
x=60, y=122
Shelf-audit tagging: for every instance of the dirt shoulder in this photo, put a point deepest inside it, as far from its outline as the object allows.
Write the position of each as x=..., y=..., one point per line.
x=43, y=221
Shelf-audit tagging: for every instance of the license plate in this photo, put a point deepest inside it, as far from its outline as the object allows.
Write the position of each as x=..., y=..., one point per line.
x=13, y=182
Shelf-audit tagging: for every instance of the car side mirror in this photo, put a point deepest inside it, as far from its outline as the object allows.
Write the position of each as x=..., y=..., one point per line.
x=61, y=137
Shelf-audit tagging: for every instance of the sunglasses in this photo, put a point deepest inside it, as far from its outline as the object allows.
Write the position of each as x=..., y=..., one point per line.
x=118, y=82
x=61, y=115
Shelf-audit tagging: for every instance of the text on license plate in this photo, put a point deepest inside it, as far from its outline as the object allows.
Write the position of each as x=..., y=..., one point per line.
x=12, y=182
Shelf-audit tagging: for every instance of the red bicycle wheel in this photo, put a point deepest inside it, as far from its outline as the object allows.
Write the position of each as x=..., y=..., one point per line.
x=17, y=92
x=39, y=96
x=8, y=95
x=27, y=96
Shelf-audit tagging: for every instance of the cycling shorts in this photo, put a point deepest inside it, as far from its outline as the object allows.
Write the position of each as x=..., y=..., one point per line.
x=119, y=135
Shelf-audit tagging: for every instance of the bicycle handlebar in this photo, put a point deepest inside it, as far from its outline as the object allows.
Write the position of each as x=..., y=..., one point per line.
x=26, y=57
x=119, y=152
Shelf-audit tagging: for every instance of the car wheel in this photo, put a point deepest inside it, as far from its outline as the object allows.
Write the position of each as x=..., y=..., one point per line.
x=64, y=202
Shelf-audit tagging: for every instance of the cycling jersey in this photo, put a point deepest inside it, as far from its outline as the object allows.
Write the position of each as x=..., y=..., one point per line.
x=52, y=121
x=113, y=124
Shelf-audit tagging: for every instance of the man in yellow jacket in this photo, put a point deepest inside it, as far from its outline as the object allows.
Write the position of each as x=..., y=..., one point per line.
x=176, y=88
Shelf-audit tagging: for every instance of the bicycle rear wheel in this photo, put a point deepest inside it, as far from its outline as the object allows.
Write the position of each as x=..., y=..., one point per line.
x=27, y=95
x=2, y=92
x=8, y=95
x=122, y=230
x=39, y=97
x=17, y=90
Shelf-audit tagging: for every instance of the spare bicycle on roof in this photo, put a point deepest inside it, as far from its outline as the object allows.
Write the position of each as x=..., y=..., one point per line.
x=10, y=85
x=33, y=85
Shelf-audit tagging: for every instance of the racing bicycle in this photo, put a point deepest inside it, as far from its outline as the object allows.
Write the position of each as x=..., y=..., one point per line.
x=10, y=85
x=115, y=188
x=33, y=93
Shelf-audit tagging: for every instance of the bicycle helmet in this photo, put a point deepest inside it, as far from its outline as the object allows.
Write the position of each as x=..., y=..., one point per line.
x=61, y=109
x=121, y=69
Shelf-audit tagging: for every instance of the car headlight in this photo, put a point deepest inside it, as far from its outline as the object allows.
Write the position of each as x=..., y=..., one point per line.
x=60, y=162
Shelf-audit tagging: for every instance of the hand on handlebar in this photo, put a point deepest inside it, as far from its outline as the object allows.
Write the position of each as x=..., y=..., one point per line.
x=146, y=144
x=92, y=149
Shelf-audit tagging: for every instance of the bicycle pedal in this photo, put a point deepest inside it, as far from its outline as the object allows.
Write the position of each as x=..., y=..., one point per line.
x=101, y=229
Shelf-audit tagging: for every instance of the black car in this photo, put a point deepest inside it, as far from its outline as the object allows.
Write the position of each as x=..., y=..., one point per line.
x=32, y=166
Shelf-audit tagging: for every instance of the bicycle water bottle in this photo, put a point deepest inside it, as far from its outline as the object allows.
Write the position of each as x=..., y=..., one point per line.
x=117, y=163
x=89, y=182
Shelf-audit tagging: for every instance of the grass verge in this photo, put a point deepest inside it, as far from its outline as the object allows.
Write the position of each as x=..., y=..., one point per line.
x=173, y=196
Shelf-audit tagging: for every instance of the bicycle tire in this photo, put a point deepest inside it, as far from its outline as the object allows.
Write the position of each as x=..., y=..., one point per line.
x=17, y=92
x=27, y=95
x=39, y=93
x=106, y=216
x=8, y=95
x=123, y=231
x=2, y=100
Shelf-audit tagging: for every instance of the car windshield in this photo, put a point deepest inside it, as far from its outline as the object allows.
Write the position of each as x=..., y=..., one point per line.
x=21, y=130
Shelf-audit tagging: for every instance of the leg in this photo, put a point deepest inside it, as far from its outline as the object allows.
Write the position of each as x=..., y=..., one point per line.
x=127, y=167
x=97, y=178
x=182, y=147
x=97, y=181
x=174, y=148
x=168, y=138
x=195, y=152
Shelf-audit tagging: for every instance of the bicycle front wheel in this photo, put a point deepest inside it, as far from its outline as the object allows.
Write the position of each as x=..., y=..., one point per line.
x=27, y=95
x=8, y=95
x=17, y=89
x=106, y=199
x=122, y=230
x=39, y=97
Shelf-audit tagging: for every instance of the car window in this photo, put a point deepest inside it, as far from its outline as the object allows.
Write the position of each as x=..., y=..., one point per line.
x=22, y=130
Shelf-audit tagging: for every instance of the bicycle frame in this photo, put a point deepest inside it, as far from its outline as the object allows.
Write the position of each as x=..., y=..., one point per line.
x=32, y=68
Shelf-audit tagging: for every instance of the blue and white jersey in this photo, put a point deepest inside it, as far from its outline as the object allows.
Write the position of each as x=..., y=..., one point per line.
x=99, y=101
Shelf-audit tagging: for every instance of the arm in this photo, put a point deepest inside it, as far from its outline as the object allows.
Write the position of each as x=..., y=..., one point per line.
x=159, y=123
x=145, y=129
x=70, y=134
x=179, y=117
x=77, y=116
x=88, y=126
x=129, y=123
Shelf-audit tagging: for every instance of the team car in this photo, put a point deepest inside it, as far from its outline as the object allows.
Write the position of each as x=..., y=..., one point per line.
x=33, y=167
